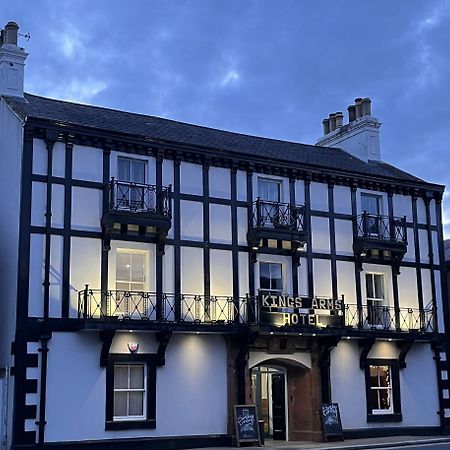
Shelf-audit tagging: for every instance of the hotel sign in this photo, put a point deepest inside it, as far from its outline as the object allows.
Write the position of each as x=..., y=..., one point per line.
x=285, y=310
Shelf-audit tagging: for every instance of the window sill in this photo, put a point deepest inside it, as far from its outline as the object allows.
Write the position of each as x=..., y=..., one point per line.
x=130, y=424
x=395, y=417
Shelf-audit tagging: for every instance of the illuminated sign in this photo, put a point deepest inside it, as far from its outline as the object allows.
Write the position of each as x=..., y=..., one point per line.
x=285, y=310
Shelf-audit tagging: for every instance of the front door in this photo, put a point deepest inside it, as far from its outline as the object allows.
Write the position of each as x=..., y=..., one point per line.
x=269, y=392
x=278, y=406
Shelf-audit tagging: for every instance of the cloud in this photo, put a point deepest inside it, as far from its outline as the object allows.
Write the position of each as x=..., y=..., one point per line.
x=80, y=91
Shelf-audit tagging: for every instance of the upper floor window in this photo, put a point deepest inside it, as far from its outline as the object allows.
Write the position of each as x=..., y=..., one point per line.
x=131, y=270
x=269, y=190
x=371, y=204
x=375, y=295
x=132, y=170
x=270, y=276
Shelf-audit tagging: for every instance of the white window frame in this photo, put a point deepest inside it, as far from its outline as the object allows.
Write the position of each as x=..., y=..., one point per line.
x=129, y=390
x=376, y=302
x=282, y=276
x=131, y=160
x=131, y=251
x=390, y=390
x=276, y=181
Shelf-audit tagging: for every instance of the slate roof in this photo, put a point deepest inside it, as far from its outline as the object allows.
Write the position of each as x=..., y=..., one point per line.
x=166, y=130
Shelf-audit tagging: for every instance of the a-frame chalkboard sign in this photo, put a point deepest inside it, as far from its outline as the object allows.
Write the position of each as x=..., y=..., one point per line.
x=246, y=424
x=331, y=421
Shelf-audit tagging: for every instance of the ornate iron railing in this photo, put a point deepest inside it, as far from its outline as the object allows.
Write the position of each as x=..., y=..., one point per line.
x=373, y=226
x=268, y=214
x=378, y=317
x=138, y=198
x=187, y=308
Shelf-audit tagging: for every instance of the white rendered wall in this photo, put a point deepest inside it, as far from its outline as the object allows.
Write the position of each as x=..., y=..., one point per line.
x=85, y=268
x=319, y=196
x=343, y=231
x=388, y=289
x=87, y=209
x=241, y=185
x=87, y=163
x=407, y=288
x=244, y=287
x=191, y=389
x=219, y=182
x=191, y=178
x=191, y=220
x=59, y=160
x=36, y=276
x=346, y=281
x=192, y=270
x=220, y=224
x=322, y=277
x=221, y=276
x=419, y=399
x=320, y=231
x=39, y=157
x=342, y=200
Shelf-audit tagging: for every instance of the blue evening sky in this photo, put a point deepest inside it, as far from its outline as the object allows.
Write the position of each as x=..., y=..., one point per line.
x=262, y=67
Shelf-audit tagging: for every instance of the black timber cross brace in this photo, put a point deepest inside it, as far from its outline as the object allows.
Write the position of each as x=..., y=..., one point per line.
x=106, y=336
x=163, y=337
x=404, y=346
x=366, y=345
x=327, y=344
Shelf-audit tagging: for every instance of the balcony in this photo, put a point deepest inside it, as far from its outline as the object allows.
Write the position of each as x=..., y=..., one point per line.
x=380, y=237
x=274, y=220
x=386, y=318
x=188, y=311
x=142, y=205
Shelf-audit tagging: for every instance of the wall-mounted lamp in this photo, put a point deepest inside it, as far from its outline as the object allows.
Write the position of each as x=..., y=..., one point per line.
x=133, y=346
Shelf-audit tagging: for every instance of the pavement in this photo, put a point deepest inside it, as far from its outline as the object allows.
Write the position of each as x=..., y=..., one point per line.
x=353, y=444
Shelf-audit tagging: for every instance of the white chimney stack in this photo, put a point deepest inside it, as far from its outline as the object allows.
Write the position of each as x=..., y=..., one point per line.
x=360, y=137
x=12, y=62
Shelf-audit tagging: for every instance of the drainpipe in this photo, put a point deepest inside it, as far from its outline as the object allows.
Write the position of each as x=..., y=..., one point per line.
x=43, y=384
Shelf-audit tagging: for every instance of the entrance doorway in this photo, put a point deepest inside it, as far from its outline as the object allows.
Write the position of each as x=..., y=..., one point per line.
x=269, y=392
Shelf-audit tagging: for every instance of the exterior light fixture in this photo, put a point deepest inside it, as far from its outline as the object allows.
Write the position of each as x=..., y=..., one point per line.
x=133, y=346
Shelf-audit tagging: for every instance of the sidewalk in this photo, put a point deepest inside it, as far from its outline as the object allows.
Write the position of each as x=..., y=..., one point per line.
x=350, y=444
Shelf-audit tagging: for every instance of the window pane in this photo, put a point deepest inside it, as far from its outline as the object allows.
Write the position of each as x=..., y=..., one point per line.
x=385, y=380
x=121, y=286
x=123, y=266
x=120, y=403
x=137, y=267
x=138, y=171
x=379, y=288
x=276, y=277
x=385, y=399
x=137, y=377
x=264, y=275
x=123, y=169
x=120, y=377
x=138, y=287
x=374, y=376
x=374, y=399
x=369, y=285
x=136, y=403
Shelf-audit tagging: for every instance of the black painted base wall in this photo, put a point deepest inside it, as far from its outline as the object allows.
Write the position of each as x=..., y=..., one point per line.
x=391, y=431
x=163, y=443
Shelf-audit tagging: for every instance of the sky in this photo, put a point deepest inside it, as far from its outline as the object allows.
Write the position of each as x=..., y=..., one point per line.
x=260, y=67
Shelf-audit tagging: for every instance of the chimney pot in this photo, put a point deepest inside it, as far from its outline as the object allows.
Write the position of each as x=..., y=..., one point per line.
x=358, y=105
x=11, y=30
x=351, y=113
x=366, y=107
x=326, y=126
x=339, y=119
x=332, y=122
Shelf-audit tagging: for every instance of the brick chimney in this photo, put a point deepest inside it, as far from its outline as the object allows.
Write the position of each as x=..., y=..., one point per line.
x=360, y=137
x=12, y=61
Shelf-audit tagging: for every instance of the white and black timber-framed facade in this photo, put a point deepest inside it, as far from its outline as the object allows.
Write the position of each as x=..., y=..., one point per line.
x=160, y=273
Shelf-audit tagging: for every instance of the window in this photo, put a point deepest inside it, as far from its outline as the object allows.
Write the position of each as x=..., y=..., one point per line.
x=371, y=206
x=132, y=192
x=270, y=276
x=270, y=213
x=130, y=391
x=377, y=314
x=269, y=190
x=132, y=299
x=382, y=390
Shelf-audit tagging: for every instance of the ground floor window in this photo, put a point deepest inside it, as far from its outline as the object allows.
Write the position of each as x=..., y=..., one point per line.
x=130, y=391
x=382, y=390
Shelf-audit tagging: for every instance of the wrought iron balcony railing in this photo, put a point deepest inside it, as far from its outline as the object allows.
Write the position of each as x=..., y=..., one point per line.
x=277, y=215
x=126, y=196
x=377, y=317
x=373, y=226
x=198, y=309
